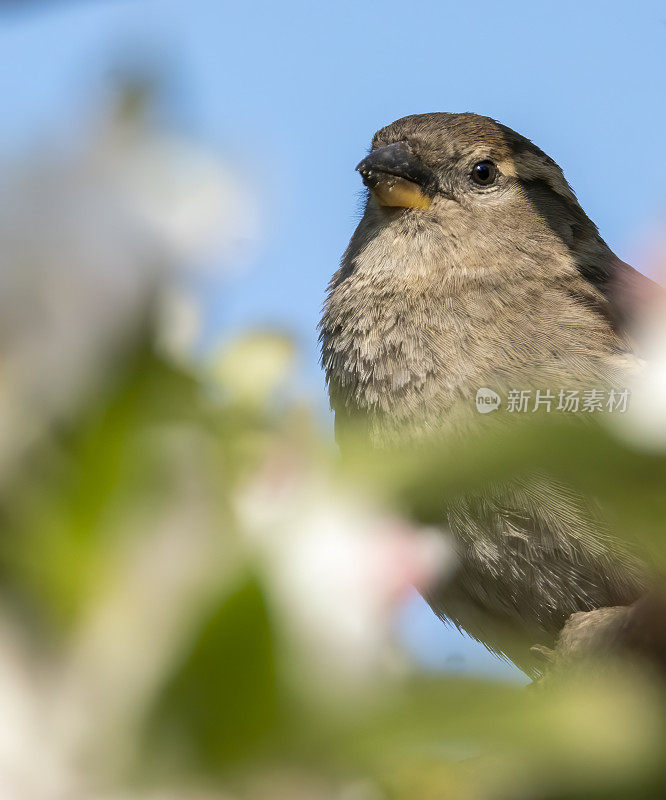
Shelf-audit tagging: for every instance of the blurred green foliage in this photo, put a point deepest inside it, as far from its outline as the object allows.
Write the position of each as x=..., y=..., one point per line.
x=125, y=558
x=245, y=708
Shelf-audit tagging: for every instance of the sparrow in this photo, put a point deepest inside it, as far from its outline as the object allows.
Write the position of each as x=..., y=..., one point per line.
x=474, y=266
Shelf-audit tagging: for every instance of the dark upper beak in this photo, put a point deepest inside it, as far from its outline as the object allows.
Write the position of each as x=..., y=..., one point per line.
x=397, y=160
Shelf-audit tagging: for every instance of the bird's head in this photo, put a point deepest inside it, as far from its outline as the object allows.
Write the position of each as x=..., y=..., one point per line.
x=485, y=185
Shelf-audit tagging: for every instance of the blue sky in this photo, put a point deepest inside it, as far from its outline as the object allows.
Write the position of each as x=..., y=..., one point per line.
x=292, y=91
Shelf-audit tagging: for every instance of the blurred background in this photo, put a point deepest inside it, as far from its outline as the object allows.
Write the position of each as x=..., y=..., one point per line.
x=186, y=576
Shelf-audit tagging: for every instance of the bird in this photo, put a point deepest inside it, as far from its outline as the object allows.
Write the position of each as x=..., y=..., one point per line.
x=474, y=265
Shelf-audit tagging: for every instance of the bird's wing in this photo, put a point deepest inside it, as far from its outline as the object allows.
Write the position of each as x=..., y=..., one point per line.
x=530, y=553
x=633, y=299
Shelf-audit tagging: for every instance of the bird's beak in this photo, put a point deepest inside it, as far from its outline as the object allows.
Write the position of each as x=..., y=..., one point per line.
x=396, y=177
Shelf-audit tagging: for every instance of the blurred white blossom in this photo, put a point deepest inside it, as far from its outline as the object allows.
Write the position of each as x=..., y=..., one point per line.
x=90, y=236
x=645, y=424
x=337, y=566
x=186, y=198
x=252, y=368
x=180, y=323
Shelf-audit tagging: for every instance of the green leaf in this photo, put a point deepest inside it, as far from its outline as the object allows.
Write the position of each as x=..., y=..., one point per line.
x=221, y=702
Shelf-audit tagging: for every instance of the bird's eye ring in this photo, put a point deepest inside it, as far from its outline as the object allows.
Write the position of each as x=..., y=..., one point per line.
x=484, y=173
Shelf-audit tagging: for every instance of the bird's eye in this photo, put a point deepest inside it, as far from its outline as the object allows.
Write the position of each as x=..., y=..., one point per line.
x=484, y=173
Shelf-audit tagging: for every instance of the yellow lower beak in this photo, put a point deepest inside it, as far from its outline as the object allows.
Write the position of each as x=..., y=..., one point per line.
x=390, y=190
